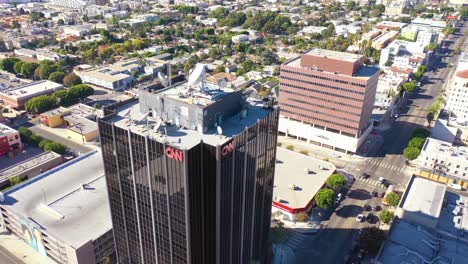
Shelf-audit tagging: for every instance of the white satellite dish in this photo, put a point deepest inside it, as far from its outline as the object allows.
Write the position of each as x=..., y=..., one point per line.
x=163, y=78
x=197, y=75
x=220, y=130
x=157, y=126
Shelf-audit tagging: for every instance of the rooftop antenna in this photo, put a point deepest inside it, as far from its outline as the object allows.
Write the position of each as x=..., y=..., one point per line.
x=197, y=76
x=220, y=131
x=144, y=116
x=157, y=126
x=163, y=79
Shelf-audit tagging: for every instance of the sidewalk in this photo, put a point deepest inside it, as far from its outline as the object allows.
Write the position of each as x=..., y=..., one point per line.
x=21, y=250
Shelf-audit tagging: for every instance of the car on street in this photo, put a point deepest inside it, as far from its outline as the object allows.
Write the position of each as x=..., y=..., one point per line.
x=367, y=207
x=360, y=218
x=381, y=180
x=375, y=194
x=381, y=195
x=365, y=175
x=376, y=208
x=370, y=217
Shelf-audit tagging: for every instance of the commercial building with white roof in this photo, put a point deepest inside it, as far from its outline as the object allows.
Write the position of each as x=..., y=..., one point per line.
x=63, y=213
x=298, y=178
x=457, y=102
x=18, y=96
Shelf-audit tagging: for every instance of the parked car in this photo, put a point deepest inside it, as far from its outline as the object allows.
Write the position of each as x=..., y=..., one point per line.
x=370, y=217
x=375, y=194
x=381, y=195
x=376, y=208
x=381, y=180
x=367, y=207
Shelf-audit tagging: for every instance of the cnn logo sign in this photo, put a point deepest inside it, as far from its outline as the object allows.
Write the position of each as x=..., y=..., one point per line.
x=228, y=148
x=175, y=154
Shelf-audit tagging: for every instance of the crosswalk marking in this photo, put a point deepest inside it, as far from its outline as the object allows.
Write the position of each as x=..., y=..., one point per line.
x=384, y=165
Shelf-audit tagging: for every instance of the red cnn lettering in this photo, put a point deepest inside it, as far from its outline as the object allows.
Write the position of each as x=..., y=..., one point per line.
x=174, y=154
x=227, y=149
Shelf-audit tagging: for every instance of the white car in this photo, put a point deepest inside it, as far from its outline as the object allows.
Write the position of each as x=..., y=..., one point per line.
x=359, y=218
x=381, y=180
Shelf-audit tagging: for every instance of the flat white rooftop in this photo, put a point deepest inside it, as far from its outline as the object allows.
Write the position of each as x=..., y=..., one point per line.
x=186, y=138
x=85, y=210
x=425, y=197
x=32, y=89
x=290, y=170
x=438, y=148
x=5, y=130
x=337, y=55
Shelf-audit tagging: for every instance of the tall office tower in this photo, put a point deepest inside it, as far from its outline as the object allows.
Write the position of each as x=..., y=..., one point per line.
x=190, y=175
x=327, y=97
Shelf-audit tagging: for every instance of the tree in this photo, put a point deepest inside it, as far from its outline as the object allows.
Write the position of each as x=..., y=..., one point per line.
x=416, y=142
x=386, y=216
x=39, y=104
x=80, y=91
x=57, y=77
x=430, y=117
x=411, y=153
x=25, y=133
x=28, y=69
x=336, y=181
x=71, y=79
x=302, y=217
x=34, y=140
x=409, y=87
x=329, y=32
x=371, y=239
x=44, y=71
x=393, y=199
x=17, y=67
x=268, y=57
x=325, y=198
x=55, y=147
x=62, y=97
x=8, y=64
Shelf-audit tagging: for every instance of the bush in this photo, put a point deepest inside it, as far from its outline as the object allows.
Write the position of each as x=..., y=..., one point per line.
x=409, y=87
x=393, y=199
x=279, y=144
x=386, y=216
x=371, y=239
x=14, y=180
x=290, y=147
x=336, y=181
x=325, y=198
x=305, y=152
x=411, y=153
x=302, y=217
x=421, y=132
x=57, y=77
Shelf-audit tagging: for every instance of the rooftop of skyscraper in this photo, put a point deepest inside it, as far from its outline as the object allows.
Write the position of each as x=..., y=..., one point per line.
x=339, y=63
x=184, y=114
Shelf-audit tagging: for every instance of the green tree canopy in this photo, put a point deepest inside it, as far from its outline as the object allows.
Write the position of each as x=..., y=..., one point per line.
x=386, y=216
x=62, y=97
x=325, y=198
x=39, y=104
x=25, y=133
x=55, y=147
x=8, y=64
x=336, y=181
x=17, y=66
x=371, y=239
x=409, y=87
x=80, y=91
x=71, y=79
x=411, y=153
x=28, y=69
x=57, y=77
x=416, y=142
x=393, y=199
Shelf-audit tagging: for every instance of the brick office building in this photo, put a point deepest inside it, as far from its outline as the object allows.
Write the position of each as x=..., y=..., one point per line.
x=327, y=97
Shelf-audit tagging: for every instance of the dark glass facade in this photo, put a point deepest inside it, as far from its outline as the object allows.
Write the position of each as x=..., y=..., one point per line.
x=208, y=204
